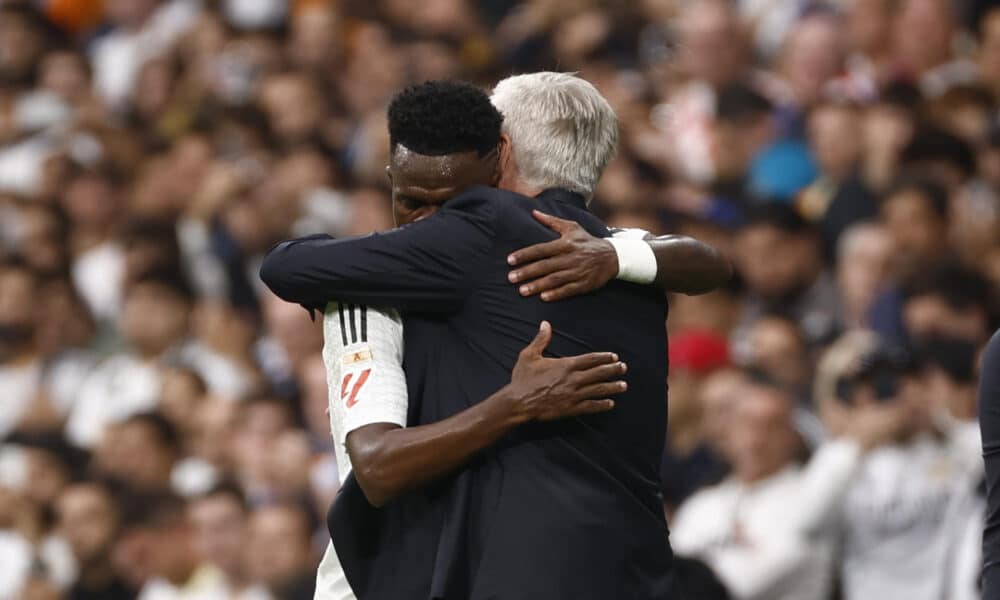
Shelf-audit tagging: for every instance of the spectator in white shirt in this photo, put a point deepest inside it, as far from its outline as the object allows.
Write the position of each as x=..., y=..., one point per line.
x=154, y=322
x=219, y=518
x=743, y=527
x=898, y=520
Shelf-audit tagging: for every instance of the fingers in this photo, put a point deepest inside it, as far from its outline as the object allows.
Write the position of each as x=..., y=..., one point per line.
x=537, y=252
x=585, y=362
x=547, y=283
x=541, y=341
x=603, y=390
x=590, y=407
x=602, y=373
x=567, y=291
x=560, y=226
x=539, y=268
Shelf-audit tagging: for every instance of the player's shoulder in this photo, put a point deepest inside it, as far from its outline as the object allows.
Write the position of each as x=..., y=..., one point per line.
x=485, y=198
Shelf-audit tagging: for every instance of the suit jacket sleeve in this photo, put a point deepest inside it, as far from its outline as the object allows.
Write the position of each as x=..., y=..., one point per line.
x=989, y=421
x=427, y=266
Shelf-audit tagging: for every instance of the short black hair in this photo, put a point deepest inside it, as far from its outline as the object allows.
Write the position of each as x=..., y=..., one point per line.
x=938, y=145
x=165, y=431
x=73, y=460
x=901, y=94
x=226, y=488
x=960, y=287
x=739, y=103
x=779, y=215
x=935, y=194
x=170, y=277
x=444, y=117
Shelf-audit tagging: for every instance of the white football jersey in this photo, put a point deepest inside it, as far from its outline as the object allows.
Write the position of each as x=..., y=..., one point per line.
x=363, y=354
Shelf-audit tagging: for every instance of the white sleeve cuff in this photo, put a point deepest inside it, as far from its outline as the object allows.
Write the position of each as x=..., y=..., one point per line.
x=636, y=261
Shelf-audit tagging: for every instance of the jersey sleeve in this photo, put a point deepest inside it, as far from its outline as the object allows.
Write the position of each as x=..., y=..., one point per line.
x=629, y=234
x=363, y=354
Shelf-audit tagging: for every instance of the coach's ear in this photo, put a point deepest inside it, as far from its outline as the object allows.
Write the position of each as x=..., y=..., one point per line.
x=505, y=169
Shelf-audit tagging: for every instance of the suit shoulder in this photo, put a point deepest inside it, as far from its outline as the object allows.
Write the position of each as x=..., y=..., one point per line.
x=481, y=195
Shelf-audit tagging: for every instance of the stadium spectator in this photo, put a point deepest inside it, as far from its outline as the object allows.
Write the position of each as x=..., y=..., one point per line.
x=797, y=286
x=220, y=522
x=742, y=527
x=87, y=517
x=281, y=552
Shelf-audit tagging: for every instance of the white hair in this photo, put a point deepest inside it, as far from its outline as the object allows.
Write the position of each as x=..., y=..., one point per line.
x=563, y=132
x=857, y=236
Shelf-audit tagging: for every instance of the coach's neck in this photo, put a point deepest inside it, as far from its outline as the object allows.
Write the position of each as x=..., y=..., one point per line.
x=509, y=175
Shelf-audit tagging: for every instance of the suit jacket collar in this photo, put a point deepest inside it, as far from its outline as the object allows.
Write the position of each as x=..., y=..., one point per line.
x=564, y=195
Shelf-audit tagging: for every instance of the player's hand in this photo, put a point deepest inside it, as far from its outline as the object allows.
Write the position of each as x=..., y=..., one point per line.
x=543, y=389
x=574, y=264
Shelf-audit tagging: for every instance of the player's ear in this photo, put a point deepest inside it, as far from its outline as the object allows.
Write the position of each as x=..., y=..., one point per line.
x=388, y=172
x=503, y=159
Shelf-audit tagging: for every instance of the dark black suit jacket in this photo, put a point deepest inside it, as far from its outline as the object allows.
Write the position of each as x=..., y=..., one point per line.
x=989, y=422
x=568, y=509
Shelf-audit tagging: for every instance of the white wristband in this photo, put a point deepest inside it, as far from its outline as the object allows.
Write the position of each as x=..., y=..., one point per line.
x=636, y=261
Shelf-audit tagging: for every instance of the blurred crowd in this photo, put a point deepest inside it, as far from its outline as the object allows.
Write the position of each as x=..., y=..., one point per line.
x=163, y=425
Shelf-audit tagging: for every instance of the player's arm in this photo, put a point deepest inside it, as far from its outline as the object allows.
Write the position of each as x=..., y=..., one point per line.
x=427, y=266
x=578, y=263
x=389, y=460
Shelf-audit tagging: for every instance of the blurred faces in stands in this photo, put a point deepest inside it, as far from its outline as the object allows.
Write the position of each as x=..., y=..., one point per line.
x=88, y=518
x=219, y=520
x=813, y=55
x=281, y=551
x=777, y=231
x=777, y=349
x=863, y=257
x=712, y=45
x=916, y=216
x=949, y=302
x=763, y=439
x=140, y=453
x=18, y=315
x=155, y=314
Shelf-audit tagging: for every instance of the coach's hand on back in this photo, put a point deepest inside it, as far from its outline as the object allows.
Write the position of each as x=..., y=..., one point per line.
x=574, y=264
x=543, y=389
